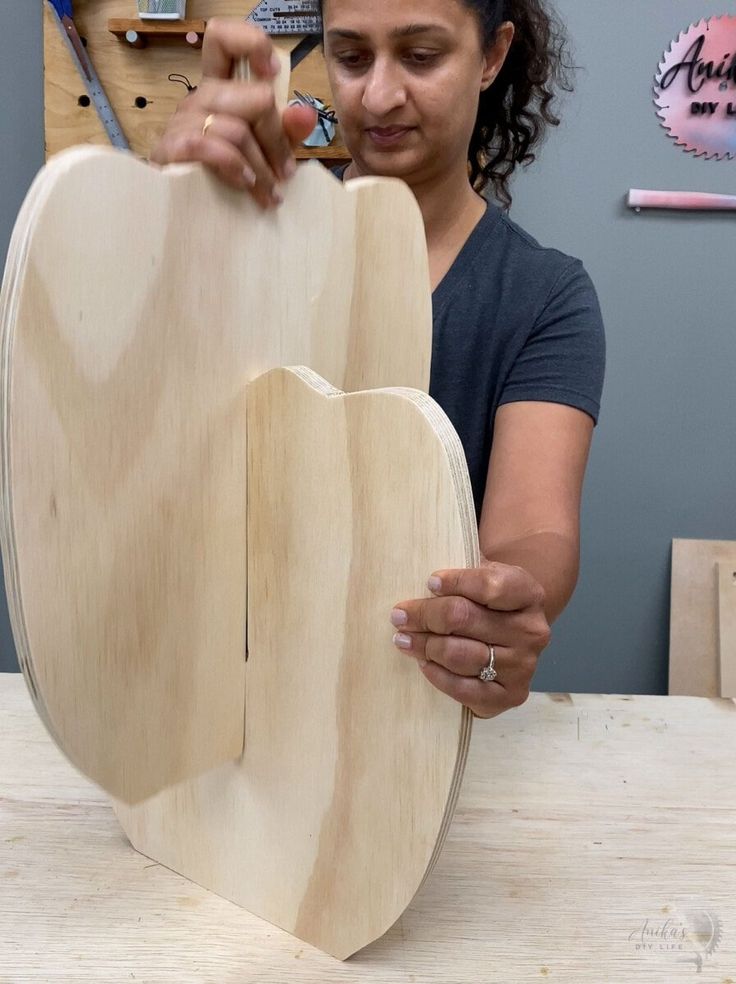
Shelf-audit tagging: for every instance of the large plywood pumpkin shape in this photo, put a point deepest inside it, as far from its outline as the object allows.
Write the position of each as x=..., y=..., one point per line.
x=161, y=517
x=137, y=305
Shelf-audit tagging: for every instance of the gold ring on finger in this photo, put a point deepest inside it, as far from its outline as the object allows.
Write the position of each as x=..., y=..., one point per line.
x=207, y=124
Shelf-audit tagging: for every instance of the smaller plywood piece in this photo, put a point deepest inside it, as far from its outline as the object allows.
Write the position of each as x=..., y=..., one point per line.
x=727, y=628
x=339, y=807
x=698, y=632
x=136, y=306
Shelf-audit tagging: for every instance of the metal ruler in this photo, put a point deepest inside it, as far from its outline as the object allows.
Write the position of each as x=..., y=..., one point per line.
x=93, y=85
x=287, y=17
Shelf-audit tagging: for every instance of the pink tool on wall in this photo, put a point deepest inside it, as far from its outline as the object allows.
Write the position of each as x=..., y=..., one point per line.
x=690, y=201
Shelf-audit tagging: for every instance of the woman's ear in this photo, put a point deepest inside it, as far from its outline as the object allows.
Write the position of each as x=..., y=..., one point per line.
x=495, y=56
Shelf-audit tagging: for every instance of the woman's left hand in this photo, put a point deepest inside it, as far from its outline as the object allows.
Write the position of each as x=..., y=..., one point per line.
x=451, y=634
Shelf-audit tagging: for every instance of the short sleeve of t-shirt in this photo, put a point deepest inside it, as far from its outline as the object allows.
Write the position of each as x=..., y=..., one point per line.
x=562, y=359
x=512, y=321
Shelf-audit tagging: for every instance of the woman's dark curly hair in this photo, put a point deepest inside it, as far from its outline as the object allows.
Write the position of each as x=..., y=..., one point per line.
x=516, y=110
x=514, y=113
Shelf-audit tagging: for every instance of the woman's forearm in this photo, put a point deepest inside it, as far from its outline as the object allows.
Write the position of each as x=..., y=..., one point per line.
x=552, y=558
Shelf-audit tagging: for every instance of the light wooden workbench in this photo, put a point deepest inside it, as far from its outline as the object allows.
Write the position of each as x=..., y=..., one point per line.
x=585, y=824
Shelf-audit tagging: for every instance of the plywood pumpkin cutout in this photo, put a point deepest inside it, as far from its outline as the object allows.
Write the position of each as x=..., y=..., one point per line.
x=338, y=808
x=174, y=496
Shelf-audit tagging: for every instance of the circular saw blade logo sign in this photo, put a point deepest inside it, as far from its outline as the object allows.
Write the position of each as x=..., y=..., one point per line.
x=695, y=89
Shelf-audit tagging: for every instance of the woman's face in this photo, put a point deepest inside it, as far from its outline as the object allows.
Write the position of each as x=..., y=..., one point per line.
x=406, y=77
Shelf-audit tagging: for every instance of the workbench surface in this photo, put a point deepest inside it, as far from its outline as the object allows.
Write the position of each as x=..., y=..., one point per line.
x=594, y=841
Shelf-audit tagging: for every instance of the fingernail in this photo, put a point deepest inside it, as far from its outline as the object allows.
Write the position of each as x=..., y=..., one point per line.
x=423, y=662
x=434, y=584
x=275, y=64
x=289, y=168
x=402, y=641
x=249, y=176
x=276, y=197
x=399, y=617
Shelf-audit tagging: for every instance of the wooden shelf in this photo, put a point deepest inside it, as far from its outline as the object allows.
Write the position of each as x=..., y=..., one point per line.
x=334, y=154
x=137, y=33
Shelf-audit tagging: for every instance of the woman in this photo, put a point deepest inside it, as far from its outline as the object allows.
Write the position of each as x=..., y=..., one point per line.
x=450, y=95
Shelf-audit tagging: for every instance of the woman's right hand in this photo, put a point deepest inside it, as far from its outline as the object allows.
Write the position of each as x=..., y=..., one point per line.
x=249, y=144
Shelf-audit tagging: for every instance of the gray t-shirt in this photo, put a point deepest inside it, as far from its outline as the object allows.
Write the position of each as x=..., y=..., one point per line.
x=513, y=321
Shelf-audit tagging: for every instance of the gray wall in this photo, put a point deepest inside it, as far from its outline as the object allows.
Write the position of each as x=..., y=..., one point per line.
x=663, y=463
x=21, y=155
x=664, y=458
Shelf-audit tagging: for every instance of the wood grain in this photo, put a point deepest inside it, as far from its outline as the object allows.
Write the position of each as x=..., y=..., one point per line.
x=128, y=74
x=694, y=626
x=137, y=304
x=727, y=628
x=338, y=809
x=580, y=817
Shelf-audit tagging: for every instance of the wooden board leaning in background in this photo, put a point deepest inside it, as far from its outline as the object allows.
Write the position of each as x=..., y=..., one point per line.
x=129, y=74
x=702, y=618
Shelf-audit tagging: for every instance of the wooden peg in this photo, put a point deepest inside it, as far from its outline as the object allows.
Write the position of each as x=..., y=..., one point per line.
x=135, y=40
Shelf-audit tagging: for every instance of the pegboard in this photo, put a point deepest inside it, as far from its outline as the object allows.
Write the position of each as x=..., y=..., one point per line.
x=136, y=80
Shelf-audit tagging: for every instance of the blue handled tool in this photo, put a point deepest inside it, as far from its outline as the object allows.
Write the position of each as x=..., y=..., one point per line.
x=96, y=93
